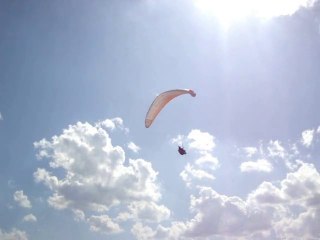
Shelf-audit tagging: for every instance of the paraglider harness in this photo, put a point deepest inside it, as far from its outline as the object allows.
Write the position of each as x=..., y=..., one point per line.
x=181, y=150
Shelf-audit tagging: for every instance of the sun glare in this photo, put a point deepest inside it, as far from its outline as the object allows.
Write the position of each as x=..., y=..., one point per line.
x=230, y=11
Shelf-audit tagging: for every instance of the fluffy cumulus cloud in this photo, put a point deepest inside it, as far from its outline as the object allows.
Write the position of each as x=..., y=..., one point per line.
x=261, y=165
x=14, y=234
x=287, y=210
x=90, y=176
x=22, y=199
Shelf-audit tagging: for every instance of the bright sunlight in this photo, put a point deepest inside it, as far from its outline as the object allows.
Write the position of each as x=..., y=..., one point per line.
x=230, y=11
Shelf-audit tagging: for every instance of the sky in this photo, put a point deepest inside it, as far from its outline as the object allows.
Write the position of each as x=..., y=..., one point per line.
x=76, y=81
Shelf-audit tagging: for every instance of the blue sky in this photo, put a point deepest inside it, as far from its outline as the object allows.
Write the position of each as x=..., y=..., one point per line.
x=77, y=78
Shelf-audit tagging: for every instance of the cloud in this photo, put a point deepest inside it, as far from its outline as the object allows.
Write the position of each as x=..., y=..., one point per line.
x=14, y=234
x=1, y=117
x=217, y=214
x=90, y=176
x=261, y=165
x=98, y=181
x=79, y=215
x=112, y=124
x=22, y=199
x=307, y=137
x=206, y=159
x=29, y=218
x=275, y=149
x=287, y=210
x=295, y=203
x=148, y=211
x=201, y=144
x=190, y=174
x=250, y=151
x=201, y=141
x=133, y=147
x=104, y=224
x=142, y=232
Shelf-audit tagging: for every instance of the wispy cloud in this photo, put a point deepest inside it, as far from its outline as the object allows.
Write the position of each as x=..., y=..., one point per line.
x=29, y=218
x=307, y=137
x=133, y=147
x=13, y=235
x=261, y=165
x=250, y=151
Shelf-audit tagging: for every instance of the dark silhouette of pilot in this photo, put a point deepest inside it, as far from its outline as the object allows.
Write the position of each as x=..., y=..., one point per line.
x=182, y=151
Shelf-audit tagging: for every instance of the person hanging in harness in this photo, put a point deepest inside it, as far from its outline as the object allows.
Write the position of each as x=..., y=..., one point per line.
x=181, y=150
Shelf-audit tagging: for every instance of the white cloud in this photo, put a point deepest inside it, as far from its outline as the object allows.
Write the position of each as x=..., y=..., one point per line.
x=276, y=149
x=201, y=141
x=29, y=218
x=178, y=140
x=208, y=160
x=97, y=179
x=149, y=211
x=14, y=234
x=202, y=144
x=103, y=224
x=142, y=232
x=261, y=165
x=1, y=117
x=295, y=203
x=79, y=215
x=22, y=199
x=266, y=193
x=302, y=185
x=109, y=192
x=307, y=137
x=112, y=124
x=190, y=174
x=133, y=147
x=288, y=210
x=58, y=201
x=250, y=151
x=218, y=215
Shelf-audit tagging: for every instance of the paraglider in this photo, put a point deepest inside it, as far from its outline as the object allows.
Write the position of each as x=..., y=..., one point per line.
x=181, y=150
x=161, y=101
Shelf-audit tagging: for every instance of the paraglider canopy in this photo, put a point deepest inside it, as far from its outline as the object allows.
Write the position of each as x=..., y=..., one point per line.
x=162, y=100
x=181, y=151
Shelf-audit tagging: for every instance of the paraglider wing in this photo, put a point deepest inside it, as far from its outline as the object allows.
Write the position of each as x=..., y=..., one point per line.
x=162, y=100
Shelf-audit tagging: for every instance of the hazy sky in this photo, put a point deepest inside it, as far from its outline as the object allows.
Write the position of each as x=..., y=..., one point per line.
x=77, y=78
